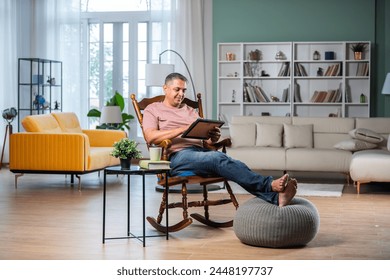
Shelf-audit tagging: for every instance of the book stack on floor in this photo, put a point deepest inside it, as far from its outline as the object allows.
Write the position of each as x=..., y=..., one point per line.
x=154, y=164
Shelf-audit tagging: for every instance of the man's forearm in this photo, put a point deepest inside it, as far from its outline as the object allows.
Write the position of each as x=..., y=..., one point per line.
x=157, y=136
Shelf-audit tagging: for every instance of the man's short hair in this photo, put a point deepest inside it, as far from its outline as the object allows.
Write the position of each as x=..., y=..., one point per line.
x=175, y=76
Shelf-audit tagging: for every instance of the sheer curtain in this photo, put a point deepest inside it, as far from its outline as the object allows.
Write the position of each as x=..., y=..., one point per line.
x=8, y=63
x=56, y=33
x=192, y=37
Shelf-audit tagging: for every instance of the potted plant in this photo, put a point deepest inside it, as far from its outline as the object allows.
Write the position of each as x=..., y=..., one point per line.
x=126, y=149
x=116, y=100
x=358, y=50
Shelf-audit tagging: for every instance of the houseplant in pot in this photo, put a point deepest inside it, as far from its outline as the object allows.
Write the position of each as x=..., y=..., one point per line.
x=358, y=50
x=126, y=150
x=116, y=100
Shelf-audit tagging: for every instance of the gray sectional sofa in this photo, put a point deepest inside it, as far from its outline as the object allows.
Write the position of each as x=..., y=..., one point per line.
x=313, y=144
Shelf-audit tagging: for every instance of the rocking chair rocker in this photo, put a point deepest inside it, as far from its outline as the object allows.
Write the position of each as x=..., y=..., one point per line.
x=184, y=181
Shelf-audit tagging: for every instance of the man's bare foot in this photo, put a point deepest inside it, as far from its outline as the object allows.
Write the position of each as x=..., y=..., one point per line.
x=280, y=184
x=288, y=194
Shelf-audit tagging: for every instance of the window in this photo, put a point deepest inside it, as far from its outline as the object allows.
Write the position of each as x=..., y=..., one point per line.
x=120, y=40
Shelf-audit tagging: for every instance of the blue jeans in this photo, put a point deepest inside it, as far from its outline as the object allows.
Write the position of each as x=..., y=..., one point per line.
x=204, y=162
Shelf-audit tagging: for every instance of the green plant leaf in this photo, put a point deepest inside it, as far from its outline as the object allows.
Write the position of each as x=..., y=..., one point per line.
x=94, y=113
x=119, y=100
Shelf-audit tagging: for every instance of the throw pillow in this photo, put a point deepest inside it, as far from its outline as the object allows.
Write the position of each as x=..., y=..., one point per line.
x=298, y=136
x=269, y=135
x=354, y=145
x=366, y=135
x=243, y=135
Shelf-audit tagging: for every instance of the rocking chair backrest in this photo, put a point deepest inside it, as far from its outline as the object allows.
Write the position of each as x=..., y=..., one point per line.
x=139, y=107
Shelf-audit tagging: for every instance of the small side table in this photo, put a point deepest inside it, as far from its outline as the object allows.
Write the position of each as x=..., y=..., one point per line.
x=134, y=170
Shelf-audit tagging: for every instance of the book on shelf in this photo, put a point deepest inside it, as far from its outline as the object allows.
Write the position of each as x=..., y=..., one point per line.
x=348, y=95
x=362, y=69
x=259, y=95
x=329, y=96
x=333, y=70
x=286, y=95
x=249, y=92
x=300, y=70
x=255, y=93
x=284, y=70
x=154, y=164
x=297, y=93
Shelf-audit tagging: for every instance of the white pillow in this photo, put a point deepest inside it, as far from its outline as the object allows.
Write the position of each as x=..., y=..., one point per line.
x=269, y=135
x=298, y=136
x=354, y=145
x=243, y=135
x=366, y=135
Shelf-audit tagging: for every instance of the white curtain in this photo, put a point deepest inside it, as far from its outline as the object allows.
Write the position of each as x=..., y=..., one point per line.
x=8, y=64
x=192, y=37
x=56, y=33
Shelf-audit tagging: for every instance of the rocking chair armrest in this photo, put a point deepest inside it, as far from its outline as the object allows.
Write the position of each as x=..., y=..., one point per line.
x=221, y=144
x=165, y=144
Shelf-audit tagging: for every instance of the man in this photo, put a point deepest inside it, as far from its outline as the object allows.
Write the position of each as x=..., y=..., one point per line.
x=170, y=118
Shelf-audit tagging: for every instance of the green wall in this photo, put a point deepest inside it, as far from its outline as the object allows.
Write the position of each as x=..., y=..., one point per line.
x=308, y=20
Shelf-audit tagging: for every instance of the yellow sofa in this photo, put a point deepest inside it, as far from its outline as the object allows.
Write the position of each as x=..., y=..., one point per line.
x=55, y=144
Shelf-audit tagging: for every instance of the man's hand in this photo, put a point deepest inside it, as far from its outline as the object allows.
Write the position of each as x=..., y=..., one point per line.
x=214, y=134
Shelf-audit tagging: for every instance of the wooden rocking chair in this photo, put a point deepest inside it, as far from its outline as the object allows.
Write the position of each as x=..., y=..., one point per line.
x=183, y=181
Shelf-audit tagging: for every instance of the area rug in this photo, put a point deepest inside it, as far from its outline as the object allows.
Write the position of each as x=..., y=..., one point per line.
x=304, y=189
x=309, y=189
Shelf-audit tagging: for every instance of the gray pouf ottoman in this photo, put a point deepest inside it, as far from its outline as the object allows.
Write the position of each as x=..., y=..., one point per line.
x=260, y=223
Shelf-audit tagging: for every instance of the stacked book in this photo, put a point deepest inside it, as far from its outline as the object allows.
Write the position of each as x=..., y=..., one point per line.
x=154, y=164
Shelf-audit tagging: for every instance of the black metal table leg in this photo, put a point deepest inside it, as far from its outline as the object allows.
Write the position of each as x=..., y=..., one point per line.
x=104, y=207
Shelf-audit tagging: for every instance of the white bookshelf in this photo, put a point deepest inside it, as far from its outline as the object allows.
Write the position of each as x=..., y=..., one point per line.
x=346, y=75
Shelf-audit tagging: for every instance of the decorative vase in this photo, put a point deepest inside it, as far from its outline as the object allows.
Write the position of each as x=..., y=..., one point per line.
x=357, y=55
x=125, y=163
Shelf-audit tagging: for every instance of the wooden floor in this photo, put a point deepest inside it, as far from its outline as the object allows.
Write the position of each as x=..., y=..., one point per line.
x=46, y=218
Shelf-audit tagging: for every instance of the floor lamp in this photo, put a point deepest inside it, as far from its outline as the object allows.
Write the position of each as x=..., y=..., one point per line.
x=8, y=115
x=156, y=73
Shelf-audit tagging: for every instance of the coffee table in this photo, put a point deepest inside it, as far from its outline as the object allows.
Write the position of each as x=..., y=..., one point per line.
x=134, y=170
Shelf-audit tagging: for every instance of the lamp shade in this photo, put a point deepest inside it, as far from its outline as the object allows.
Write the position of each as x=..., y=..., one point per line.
x=386, y=85
x=111, y=114
x=156, y=73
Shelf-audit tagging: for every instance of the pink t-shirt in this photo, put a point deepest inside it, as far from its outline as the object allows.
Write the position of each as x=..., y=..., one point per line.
x=158, y=116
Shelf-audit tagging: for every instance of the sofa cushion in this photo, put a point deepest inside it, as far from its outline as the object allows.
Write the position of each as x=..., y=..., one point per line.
x=327, y=131
x=243, y=135
x=354, y=145
x=41, y=123
x=269, y=135
x=68, y=122
x=298, y=136
x=260, y=158
x=370, y=165
x=366, y=135
x=318, y=160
